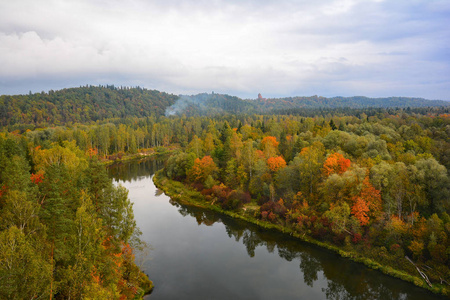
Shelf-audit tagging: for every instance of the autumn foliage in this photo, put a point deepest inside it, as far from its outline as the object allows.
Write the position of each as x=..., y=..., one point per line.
x=372, y=196
x=335, y=163
x=270, y=146
x=202, y=169
x=367, y=203
x=92, y=152
x=251, y=161
x=360, y=210
x=37, y=178
x=276, y=163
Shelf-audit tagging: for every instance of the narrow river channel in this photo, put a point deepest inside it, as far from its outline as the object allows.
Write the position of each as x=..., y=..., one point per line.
x=199, y=254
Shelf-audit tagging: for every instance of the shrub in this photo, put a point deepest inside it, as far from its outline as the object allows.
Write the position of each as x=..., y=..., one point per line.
x=231, y=204
x=356, y=238
x=264, y=215
x=261, y=199
x=339, y=238
x=198, y=186
x=207, y=192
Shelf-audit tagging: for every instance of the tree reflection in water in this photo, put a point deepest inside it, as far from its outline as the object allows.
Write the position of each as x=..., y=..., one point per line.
x=339, y=278
x=345, y=279
x=131, y=171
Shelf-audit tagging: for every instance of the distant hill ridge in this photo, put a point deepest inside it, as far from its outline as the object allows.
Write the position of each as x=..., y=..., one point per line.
x=353, y=102
x=210, y=104
x=87, y=104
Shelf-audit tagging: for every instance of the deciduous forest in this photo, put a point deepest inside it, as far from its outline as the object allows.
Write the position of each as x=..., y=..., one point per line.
x=372, y=179
x=376, y=185
x=66, y=230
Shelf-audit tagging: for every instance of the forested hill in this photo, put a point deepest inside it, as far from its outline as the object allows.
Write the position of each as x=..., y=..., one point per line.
x=81, y=105
x=212, y=104
x=96, y=103
x=340, y=102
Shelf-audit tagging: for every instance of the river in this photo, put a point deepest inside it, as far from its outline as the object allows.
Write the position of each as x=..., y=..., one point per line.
x=199, y=254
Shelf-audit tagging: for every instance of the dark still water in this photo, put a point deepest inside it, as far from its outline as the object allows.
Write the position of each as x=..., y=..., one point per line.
x=198, y=254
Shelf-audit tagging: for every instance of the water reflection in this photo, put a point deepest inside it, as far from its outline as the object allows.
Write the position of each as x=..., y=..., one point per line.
x=345, y=279
x=325, y=274
x=132, y=171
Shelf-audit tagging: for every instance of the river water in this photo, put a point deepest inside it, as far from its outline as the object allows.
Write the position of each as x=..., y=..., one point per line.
x=199, y=254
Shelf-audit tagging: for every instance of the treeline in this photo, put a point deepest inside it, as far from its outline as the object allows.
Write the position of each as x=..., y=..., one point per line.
x=66, y=232
x=376, y=185
x=218, y=104
x=80, y=105
x=99, y=104
x=343, y=102
x=369, y=111
x=419, y=130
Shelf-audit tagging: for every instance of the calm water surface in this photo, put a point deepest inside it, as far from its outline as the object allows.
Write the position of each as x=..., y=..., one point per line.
x=198, y=254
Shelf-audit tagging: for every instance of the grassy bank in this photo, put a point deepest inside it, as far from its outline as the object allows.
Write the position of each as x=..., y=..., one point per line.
x=188, y=196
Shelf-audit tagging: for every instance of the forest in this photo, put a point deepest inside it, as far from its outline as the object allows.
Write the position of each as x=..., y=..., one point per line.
x=98, y=104
x=370, y=180
x=66, y=230
x=81, y=105
x=375, y=185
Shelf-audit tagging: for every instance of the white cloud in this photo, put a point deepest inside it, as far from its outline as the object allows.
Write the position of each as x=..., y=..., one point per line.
x=280, y=48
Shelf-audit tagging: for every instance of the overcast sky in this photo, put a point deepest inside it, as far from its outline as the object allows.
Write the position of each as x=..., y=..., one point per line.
x=276, y=48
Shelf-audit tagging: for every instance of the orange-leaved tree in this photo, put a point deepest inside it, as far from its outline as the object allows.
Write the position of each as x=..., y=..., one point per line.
x=335, y=163
x=360, y=210
x=201, y=169
x=368, y=203
x=91, y=152
x=276, y=163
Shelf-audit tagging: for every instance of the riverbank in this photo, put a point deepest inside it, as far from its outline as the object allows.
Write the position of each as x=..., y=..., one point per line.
x=186, y=195
x=146, y=286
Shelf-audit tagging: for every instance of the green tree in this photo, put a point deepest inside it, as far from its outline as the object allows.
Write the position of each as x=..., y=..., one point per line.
x=196, y=147
x=117, y=213
x=179, y=164
x=309, y=163
x=434, y=179
x=24, y=272
x=339, y=215
x=16, y=175
x=59, y=201
x=85, y=242
x=21, y=213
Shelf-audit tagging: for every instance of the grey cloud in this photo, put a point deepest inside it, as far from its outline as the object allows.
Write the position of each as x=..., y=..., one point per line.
x=280, y=48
